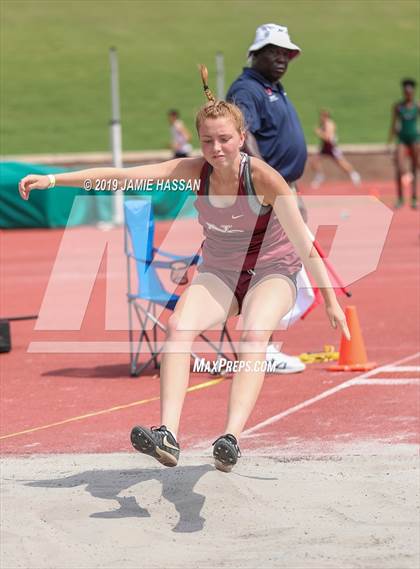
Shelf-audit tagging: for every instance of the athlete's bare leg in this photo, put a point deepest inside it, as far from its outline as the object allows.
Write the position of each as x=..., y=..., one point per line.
x=414, y=153
x=316, y=164
x=200, y=307
x=262, y=310
x=348, y=168
x=344, y=164
x=319, y=176
x=400, y=171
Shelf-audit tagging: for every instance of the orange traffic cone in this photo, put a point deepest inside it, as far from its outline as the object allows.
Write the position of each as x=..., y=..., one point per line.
x=353, y=355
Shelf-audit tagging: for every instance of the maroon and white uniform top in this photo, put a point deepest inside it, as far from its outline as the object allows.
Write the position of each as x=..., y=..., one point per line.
x=244, y=235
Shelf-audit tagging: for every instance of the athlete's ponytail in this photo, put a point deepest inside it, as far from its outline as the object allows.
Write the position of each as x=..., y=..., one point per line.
x=216, y=108
x=205, y=79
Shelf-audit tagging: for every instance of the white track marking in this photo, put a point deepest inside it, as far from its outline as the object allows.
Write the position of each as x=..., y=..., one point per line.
x=401, y=369
x=326, y=394
x=390, y=381
x=298, y=407
x=398, y=362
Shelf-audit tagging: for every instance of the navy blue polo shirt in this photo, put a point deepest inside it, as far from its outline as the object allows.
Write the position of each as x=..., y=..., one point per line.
x=272, y=119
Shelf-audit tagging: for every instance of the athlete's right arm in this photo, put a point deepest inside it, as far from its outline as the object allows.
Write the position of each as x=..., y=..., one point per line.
x=275, y=191
x=180, y=168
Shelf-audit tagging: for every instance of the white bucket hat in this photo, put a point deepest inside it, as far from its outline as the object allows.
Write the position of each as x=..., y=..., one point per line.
x=275, y=35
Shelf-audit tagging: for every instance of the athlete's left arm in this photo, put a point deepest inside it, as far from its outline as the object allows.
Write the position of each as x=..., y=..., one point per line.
x=274, y=190
x=392, y=128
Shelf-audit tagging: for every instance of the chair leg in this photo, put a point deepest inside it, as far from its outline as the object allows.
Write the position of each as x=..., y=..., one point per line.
x=225, y=332
x=150, y=314
x=218, y=349
x=145, y=315
x=155, y=339
x=133, y=362
x=143, y=337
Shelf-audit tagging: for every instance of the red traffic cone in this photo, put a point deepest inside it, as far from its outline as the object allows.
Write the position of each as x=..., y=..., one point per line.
x=353, y=355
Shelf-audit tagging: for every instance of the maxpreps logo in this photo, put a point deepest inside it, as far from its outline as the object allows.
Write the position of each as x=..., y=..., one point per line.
x=222, y=366
x=271, y=96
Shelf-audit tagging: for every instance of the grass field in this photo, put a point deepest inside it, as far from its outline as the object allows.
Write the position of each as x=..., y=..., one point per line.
x=55, y=68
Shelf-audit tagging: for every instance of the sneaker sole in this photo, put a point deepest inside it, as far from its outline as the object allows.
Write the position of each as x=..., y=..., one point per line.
x=144, y=444
x=223, y=458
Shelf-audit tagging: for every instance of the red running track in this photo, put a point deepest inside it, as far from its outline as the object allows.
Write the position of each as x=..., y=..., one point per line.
x=87, y=403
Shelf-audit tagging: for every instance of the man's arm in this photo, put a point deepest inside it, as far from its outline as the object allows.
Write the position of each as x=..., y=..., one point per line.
x=248, y=104
x=251, y=145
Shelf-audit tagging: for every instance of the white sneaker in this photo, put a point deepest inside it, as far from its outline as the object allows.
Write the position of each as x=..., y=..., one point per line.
x=355, y=178
x=284, y=363
x=317, y=181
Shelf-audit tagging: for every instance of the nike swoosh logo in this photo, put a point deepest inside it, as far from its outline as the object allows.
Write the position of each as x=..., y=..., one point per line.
x=168, y=444
x=236, y=216
x=281, y=365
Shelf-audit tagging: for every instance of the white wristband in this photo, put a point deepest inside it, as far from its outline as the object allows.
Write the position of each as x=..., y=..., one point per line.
x=51, y=178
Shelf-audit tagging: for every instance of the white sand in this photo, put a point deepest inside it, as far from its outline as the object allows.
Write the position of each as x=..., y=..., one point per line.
x=118, y=511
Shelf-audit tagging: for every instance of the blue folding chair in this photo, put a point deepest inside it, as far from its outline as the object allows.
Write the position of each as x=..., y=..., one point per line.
x=139, y=249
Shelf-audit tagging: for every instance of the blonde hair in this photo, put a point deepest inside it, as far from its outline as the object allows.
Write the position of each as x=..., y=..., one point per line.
x=215, y=109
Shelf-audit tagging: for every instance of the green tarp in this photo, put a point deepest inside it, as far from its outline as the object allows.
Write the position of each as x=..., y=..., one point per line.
x=51, y=208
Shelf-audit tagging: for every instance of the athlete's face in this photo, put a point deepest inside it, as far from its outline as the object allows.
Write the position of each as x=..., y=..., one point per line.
x=220, y=141
x=408, y=92
x=172, y=117
x=271, y=61
x=324, y=115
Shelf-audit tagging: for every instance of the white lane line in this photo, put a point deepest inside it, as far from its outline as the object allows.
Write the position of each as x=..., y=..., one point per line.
x=389, y=381
x=298, y=407
x=324, y=395
x=401, y=369
x=398, y=362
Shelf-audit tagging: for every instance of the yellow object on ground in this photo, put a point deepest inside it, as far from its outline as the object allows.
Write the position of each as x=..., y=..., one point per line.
x=328, y=355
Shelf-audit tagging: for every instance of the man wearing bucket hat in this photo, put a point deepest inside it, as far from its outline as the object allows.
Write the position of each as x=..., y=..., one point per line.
x=274, y=132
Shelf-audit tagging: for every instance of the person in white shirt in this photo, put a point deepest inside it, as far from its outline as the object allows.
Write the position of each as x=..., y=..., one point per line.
x=180, y=135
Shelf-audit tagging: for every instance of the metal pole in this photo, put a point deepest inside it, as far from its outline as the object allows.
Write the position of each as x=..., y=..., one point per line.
x=220, y=75
x=116, y=134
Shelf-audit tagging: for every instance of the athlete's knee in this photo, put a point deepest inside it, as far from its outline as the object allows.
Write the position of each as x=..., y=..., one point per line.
x=255, y=340
x=177, y=331
x=399, y=157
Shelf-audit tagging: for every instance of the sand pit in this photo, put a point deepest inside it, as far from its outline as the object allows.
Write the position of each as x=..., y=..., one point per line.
x=355, y=508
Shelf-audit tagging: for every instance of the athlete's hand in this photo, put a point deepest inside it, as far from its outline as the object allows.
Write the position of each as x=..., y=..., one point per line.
x=32, y=182
x=337, y=318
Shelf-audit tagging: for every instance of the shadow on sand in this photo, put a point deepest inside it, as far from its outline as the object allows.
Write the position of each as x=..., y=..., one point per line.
x=177, y=487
